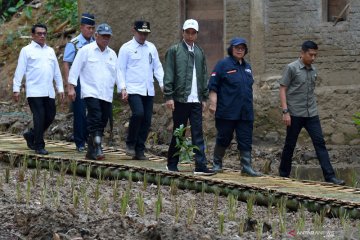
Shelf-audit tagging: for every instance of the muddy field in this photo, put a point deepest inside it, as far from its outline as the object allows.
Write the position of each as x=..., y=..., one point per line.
x=43, y=204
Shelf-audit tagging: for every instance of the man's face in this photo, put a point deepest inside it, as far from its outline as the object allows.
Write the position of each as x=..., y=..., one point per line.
x=239, y=51
x=309, y=56
x=39, y=36
x=190, y=36
x=87, y=30
x=103, y=40
x=140, y=37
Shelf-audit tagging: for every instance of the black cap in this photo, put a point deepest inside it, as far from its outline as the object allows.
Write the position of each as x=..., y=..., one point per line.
x=87, y=19
x=142, y=26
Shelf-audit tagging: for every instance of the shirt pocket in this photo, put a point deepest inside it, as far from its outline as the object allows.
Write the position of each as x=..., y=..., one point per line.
x=135, y=55
x=111, y=66
x=313, y=80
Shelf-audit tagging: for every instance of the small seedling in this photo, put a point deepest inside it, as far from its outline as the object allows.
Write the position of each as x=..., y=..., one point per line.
x=259, y=230
x=130, y=180
x=88, y=172
x=33, y=178
x=241, y=227
x=45, y=178
x=28, y=192
x=250, y=205
x=232, y=206
x=104, y=206
x=191, y=214
x=12, y=158
x=73, y=166
x=145, y=181
x=51, y=168
x=43, y=195
x=38, y=167
x=7, y=175
x=97, y=190
x=177, y=212
x=75, y=199
x=221, y=223
x=140, y=204
x=173, y=187
x=115, y=191
x=158, y=206
x=124, y=202
x=18, y=192
x=216, y=200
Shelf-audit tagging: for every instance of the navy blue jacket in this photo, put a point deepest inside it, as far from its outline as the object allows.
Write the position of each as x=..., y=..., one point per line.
x=233, y=84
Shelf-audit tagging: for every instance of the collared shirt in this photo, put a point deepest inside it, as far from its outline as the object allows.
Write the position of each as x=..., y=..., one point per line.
x=40, y=67
x=70, y=50
x=97, y=71
x=193, y=97
x=300, y=83
x=232, y=81
x=139, y=64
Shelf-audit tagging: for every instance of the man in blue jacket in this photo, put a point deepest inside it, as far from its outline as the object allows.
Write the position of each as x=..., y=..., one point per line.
x=231, y=99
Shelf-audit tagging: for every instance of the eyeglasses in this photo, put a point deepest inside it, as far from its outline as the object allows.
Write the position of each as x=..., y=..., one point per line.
x=240, y=48
x=41, y=33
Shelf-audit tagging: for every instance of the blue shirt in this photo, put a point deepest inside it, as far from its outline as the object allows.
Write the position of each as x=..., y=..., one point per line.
x=70, y=50
x=233, y=82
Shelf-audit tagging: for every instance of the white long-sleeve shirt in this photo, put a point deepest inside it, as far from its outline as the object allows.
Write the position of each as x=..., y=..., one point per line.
x=139, y=64
x=97, y=71
x=193, y=97
x=40, y=67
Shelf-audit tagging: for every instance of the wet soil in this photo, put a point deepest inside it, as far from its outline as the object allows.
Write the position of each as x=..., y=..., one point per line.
x=48, y=205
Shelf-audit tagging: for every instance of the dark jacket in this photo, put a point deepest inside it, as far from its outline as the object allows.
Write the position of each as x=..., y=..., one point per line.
x=233, y=82
x=179, y=63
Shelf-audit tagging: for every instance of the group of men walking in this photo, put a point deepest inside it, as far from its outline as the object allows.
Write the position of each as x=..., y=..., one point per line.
x=92, y=69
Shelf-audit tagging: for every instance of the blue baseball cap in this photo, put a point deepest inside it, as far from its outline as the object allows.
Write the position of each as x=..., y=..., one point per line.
x=237, y=41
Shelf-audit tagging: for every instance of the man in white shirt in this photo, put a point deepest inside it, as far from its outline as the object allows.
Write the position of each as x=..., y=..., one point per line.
x=39, y=64
x=95, y=64
x=139, y=63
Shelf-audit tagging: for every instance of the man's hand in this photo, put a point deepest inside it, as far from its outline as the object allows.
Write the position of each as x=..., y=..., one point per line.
x=213, y=102
x=124, y=95
x=16, y=96
x=71, y=92
x=204, y=106
x=62, y=97
x=170, y=104
x=286, y=119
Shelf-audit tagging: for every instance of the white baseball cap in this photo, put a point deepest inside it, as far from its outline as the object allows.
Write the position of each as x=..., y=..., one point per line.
x=191, y=23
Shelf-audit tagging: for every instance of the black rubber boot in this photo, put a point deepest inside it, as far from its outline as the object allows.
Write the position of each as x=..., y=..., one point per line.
x=219, y=152
x=97, y=138
x=245, y=160
x=90, y=154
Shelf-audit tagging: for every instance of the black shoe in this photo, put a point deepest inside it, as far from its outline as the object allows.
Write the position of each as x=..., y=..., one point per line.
x=29, y=137
x=80, y=149
x=334, y=180
x=130, y=151
x=140, y=157
x=204, y=172
x=41, y=151
x=172, y=169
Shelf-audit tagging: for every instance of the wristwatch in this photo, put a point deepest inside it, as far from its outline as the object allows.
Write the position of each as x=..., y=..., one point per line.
x=284, y=111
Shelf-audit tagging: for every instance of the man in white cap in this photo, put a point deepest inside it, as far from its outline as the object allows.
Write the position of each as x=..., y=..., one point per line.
x=186, y=93
x=95, y=63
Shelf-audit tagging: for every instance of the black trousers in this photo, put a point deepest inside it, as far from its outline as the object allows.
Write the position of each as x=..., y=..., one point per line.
x=182, y=113
x=98, y=113
x=44, y=111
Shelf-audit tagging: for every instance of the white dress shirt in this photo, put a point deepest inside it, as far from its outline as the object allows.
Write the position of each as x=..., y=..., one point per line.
x=97, y=71
x=193, y=97
x=40, y=67
x=139, y=64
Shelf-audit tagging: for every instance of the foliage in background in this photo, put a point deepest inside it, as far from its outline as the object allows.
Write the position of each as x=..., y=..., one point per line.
x=10, y=7
x=63, y=10
x=356, y=119
x=184, y=145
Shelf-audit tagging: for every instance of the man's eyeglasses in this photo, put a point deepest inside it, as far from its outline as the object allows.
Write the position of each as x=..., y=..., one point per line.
x=41, y=33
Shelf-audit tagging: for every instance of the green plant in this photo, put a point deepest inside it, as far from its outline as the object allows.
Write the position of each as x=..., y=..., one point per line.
x=65, y=10
x=184, y=145
x=43, y=195
x=241, y=226
x=173, y=187
x=75, y=199
x=191, y=214
x=221, y=222
x=51, y=168
x=124, y=201
x=158, y=205
x=259, y=229
x=250, y=205
x=216, y=201
x=232, y=206
x=10, y=7
x=7, y=175
x=104, y=205
x=38, y=167
x=356, y=120
x=354, y=178
x=177, y=212
x=140, y=204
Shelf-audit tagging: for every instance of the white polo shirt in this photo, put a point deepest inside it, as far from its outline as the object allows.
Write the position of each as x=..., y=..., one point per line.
x=97, y=71
x=40, y=67
x=139, y=64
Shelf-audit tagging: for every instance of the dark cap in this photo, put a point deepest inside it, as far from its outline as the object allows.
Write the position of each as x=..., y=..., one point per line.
x=87, y=19
x=237, y=41
x=104, y=29
x=142, y=26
